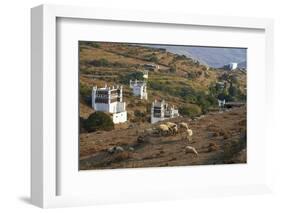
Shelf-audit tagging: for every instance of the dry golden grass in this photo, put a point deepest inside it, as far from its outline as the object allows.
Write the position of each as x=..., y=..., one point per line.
x=97, y=53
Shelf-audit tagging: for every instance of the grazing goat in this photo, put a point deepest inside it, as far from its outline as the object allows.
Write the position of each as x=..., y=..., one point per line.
x=163, y=129
x=183, y=126
x=173, y=128
x=190, y=149
x=186, y=133
x=189, y=135
x=189, y=132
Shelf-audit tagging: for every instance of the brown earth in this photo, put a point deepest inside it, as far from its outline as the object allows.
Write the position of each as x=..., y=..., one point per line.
x=219, y=138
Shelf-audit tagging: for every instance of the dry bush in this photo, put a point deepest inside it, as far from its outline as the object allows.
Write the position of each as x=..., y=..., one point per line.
x=141, y=139
x=215, y=134
x=212, y=147
x=213, y=128
x=225, y=134
x=233, y=113
x=218, y=131
x=122, y=156
x=242, y=122
x=212, y=144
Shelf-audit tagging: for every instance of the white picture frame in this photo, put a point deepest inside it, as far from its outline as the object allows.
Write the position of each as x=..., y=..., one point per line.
x=44, y=153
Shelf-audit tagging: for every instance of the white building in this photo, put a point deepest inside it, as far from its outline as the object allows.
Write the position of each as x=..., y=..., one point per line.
x=110, y=99
x=152, y=67
x=139, y=88
x=161, y=111
x=221, y=103
x=233, y=66
x=145, y=74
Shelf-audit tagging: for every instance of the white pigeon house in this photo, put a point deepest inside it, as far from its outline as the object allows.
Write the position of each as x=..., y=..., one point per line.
x=145, y=74
x=161, y=111
x=233, y=66
x=110, y=100
x=139, y=88
x=221, y=103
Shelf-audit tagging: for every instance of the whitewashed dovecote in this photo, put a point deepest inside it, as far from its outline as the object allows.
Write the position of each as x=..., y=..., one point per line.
x=110, y=100
x=233, y=66
x=145, y=74
x=160, y=111
x=139, y=88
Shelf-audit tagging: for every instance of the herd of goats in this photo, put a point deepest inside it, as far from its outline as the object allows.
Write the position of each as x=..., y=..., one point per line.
x=170, y=128
x=164, y=129
x=182, y=128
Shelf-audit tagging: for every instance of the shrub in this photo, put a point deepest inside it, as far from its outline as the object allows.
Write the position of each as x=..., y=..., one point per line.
x=180, y=57
x=85, y=91
x=125, y=79
x=234, y=79
x=190, y=110
x=213, y=147
x=186, y=92
x=81, y=125
x=173, y=69
x=203, y=102
x=162, y=50
x=90, y=43
x=139, y=116
x=193, y=74
x=233, y=91
x=211, y=99
x=153, y=58
x=138, y=113
x=96, y=45
x=98, y=121
x=100, y=62
x=155, y=85
x=122, y=156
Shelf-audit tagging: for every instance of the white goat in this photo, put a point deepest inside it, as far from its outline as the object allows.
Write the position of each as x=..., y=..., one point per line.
x=183, y=126
x=163, y=129
x=173, y=127
x=191, y=149
x=186, y=133
x=189, y=132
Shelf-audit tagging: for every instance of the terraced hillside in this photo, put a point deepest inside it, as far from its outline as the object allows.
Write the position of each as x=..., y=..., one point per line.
x=181, y=81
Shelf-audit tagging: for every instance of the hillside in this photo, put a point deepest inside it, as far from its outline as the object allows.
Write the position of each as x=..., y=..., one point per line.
x=182, y=81
x=219, y=138
x=212, y=56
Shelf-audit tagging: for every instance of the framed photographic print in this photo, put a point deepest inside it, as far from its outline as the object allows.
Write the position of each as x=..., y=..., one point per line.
x=148, y=105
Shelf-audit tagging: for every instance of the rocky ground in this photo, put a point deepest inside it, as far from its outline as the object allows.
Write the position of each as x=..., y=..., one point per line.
x=219, y=138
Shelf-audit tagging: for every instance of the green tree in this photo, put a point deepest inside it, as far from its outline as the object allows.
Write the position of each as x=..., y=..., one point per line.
x=232, y=91
x=190, y=110
x=125, y=79
x=100, y=63
x=98, y=121
x=153, y=59
x=96, y=45
x=85, y=90
x=173, y=69
x=234, y=79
